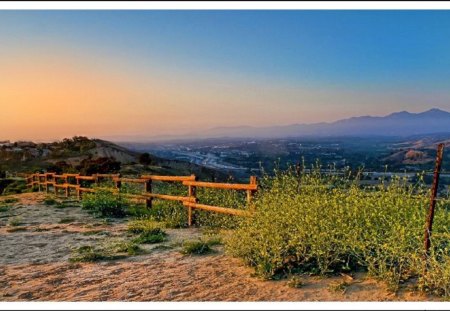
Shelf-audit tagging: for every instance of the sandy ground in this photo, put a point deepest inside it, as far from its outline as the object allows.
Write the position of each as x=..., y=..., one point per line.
x=34, y=266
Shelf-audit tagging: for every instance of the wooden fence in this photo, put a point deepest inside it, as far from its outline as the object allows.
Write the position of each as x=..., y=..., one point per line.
x=72, y=183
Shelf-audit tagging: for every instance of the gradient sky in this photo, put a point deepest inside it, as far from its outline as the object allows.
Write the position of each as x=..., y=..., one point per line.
x=149, y=73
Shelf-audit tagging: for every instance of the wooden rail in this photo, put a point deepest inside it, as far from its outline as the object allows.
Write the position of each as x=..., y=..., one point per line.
x=190, y=201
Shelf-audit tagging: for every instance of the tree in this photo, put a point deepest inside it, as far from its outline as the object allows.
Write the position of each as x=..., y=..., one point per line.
x=101, y=165
x=145, y=158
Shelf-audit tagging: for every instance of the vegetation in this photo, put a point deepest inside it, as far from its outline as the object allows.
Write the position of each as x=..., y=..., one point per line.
x=111, y=251
x=199, y=247
x=105, y=204
x=10, y=200
x=196, y=248
x=50, y=201
x=150, y=232
x=321, y=224
x=14, y=187
x=14, y=222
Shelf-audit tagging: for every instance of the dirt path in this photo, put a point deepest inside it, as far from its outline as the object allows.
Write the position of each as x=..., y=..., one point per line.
x=34, y=266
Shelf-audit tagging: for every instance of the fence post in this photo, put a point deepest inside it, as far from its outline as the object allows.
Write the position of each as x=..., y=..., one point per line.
x=148, y=189
x=192, y=193
x=118, y=183
x=434, y=190
x=250, y=192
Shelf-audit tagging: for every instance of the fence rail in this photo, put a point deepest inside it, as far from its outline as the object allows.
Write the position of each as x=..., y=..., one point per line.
x=56, y=182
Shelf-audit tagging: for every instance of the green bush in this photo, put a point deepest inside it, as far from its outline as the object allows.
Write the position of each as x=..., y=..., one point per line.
x=50, y=201
x=173, y=214
x=10, y=200
x=196, y=248
x=105, y=204
x=16, y=187
x=150, y=238
x=325, y=224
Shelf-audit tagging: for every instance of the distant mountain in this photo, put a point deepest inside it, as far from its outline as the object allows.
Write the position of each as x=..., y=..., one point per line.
x=396, y=124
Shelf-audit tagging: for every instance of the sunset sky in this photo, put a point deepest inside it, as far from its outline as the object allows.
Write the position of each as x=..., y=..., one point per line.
x=150, y=73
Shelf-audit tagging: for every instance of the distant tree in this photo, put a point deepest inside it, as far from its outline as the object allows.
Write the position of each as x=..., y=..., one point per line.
x=60, y=167
x=101, y=165
x=145, y=159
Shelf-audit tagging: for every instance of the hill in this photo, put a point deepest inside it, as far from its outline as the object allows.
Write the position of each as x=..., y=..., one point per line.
x=81, y=154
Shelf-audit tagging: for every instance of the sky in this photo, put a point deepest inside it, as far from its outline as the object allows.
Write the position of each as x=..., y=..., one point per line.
x=150, y=73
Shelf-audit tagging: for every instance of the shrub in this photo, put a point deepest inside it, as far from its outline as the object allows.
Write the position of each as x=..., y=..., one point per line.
x=67, y=220
x=145, y=225
x=105, y=204
x=90, y=254
x=196, y=248
x=150, y=238
x=16, y=187
x=10, y=200
x=150, y=231
x=325, y=224
x=14, y=222
x=50, y=201
x=173, y=214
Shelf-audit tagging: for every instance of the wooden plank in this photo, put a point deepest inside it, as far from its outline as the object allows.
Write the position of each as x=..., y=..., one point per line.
x=71, y=175
x=85, y=177
x=108, y=175
x=168, y=197
x=169, y=178
x=131, y=180
x=61, y=185
x=86, y=190
x=221, y=185
x=223, y=210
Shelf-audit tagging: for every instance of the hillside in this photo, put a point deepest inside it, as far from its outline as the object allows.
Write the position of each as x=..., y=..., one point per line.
x=81, y=154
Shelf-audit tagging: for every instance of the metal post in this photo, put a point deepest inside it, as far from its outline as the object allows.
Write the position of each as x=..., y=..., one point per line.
x=434, y=190
x=148, y=189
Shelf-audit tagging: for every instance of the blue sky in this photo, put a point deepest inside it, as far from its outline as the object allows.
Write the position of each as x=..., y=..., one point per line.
x=370, y=62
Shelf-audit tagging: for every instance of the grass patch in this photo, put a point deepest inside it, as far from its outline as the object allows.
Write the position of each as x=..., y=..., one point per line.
x=196, y=248
x=49, y=201
x=145, y=226
x=110, y=251
x=295, y=282
x=94, y=232
x=105, y=204
x=4, y=208
x=60, y=205
x=339, y=286
x=14, y=222
x=163, y=247
x=10, y=200
x=67, y=220
x=91, y=254
x=126, y=247
x=150, y=238
x=150, y=231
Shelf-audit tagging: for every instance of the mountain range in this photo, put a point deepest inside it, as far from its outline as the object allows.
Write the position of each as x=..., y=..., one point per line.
x=396, y=124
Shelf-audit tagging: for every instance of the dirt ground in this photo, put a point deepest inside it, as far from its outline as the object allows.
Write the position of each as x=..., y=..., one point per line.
x=37, y=240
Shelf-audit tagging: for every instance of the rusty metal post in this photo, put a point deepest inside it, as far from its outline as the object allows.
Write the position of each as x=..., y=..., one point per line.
x=298, y=171
x=148, y=189
x=434, y=190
